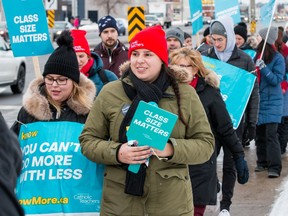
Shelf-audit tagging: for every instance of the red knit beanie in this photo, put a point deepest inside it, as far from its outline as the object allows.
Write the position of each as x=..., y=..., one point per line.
x=80, y=42
x=153, y=39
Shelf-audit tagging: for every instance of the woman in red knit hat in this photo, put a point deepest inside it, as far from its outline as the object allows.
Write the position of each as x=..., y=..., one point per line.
x=90, y=64
x=163, y=187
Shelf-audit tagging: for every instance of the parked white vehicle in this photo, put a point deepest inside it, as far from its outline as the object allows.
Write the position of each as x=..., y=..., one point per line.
x=92, y=27
x=12, y=70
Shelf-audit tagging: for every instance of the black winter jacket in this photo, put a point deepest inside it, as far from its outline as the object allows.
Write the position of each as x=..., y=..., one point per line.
x=10, y=167
x=204, y=176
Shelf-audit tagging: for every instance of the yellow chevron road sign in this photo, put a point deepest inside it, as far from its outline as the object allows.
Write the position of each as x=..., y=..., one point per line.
x=51, y=18
x=136, y=21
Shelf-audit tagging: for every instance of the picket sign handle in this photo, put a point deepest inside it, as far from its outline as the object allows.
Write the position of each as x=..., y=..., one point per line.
x=197, y=39
x=36, y=66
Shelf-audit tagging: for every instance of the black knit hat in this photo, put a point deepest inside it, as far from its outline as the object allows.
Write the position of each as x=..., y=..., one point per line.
x=243, y=24
x=206, y=31
x=187, y=35
x=240, y=30
x=63, y=60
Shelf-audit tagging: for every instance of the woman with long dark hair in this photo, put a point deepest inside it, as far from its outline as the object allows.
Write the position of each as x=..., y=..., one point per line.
x=270, y=68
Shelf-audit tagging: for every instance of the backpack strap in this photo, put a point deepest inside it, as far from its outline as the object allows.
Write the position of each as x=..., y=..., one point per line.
x=103, y=76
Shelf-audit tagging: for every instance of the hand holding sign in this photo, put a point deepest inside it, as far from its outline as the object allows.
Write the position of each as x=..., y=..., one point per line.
x=151, y=126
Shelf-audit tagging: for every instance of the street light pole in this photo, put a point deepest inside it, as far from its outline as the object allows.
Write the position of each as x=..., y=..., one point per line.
x=252, y=10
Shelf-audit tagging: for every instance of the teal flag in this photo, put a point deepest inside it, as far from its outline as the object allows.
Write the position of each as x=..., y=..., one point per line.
x=227, y=8
x=56, y=178
x=266, y=13
x=236, y=86
x=28, y=28
x=196, y=15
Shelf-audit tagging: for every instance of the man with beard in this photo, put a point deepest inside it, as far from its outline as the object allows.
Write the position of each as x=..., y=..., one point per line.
x=112, y=52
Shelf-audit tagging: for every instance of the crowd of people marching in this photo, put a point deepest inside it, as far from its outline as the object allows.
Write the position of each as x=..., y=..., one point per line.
x=100, y=89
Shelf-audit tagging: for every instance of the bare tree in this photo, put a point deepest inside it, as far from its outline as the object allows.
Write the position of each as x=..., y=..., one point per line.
x=110, y=5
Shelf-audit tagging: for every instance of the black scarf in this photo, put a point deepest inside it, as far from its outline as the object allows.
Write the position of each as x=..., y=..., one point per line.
x=140, y=91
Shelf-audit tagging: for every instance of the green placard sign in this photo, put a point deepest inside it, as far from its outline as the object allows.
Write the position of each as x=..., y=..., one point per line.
x=151, y=126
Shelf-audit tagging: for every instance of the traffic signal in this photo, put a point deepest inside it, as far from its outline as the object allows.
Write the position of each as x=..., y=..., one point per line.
x=253, y=27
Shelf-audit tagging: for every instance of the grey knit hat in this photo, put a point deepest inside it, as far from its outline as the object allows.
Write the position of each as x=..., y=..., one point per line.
x=175, y=33
x=272, y=36
x=218, y=28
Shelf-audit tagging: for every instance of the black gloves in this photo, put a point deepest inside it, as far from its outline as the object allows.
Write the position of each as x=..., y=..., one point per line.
x=242, y=170
x=249, y=134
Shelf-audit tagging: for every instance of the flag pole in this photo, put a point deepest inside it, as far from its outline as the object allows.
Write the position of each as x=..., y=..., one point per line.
x=269, y=26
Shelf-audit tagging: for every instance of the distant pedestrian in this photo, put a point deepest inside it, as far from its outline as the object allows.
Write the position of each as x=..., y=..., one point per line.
x=206, y=41
x=90, y=64
x=112, y=52
x=285, y=34
x=188, y=40
x=77, y=22
x=71, y=23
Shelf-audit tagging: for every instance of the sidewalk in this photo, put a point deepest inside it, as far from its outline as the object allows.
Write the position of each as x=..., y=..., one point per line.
x=256, y=198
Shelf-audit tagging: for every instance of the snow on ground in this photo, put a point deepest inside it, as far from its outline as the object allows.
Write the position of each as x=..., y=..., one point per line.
x=280, y=207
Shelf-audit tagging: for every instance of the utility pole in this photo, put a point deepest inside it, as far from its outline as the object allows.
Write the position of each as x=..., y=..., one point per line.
x=252, y=10
x=252, y=17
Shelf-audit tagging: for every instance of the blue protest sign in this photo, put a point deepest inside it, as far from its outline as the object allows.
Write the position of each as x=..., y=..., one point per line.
x=227, y=8
x=56, y=178
x=28, y=28
x=236, y=86
x=196, y=15
x=266, y=13
x=151, y=126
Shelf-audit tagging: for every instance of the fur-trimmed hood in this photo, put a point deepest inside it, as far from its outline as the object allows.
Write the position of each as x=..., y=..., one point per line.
x=36, y=104
x=212, y=78
x=182, y=74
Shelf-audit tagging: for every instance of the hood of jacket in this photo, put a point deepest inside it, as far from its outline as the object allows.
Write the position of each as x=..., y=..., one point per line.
x=37, y=105
x=182, y=75
x=212, y=79
x=97, y=66
x=227, y=23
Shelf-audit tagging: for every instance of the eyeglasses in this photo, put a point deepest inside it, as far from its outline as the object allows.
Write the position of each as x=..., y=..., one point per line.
x=217, y=39
x=59, y=81
x=185, y=66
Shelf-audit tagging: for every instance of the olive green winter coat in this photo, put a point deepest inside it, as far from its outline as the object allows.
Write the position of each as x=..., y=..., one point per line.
x=167, y=189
